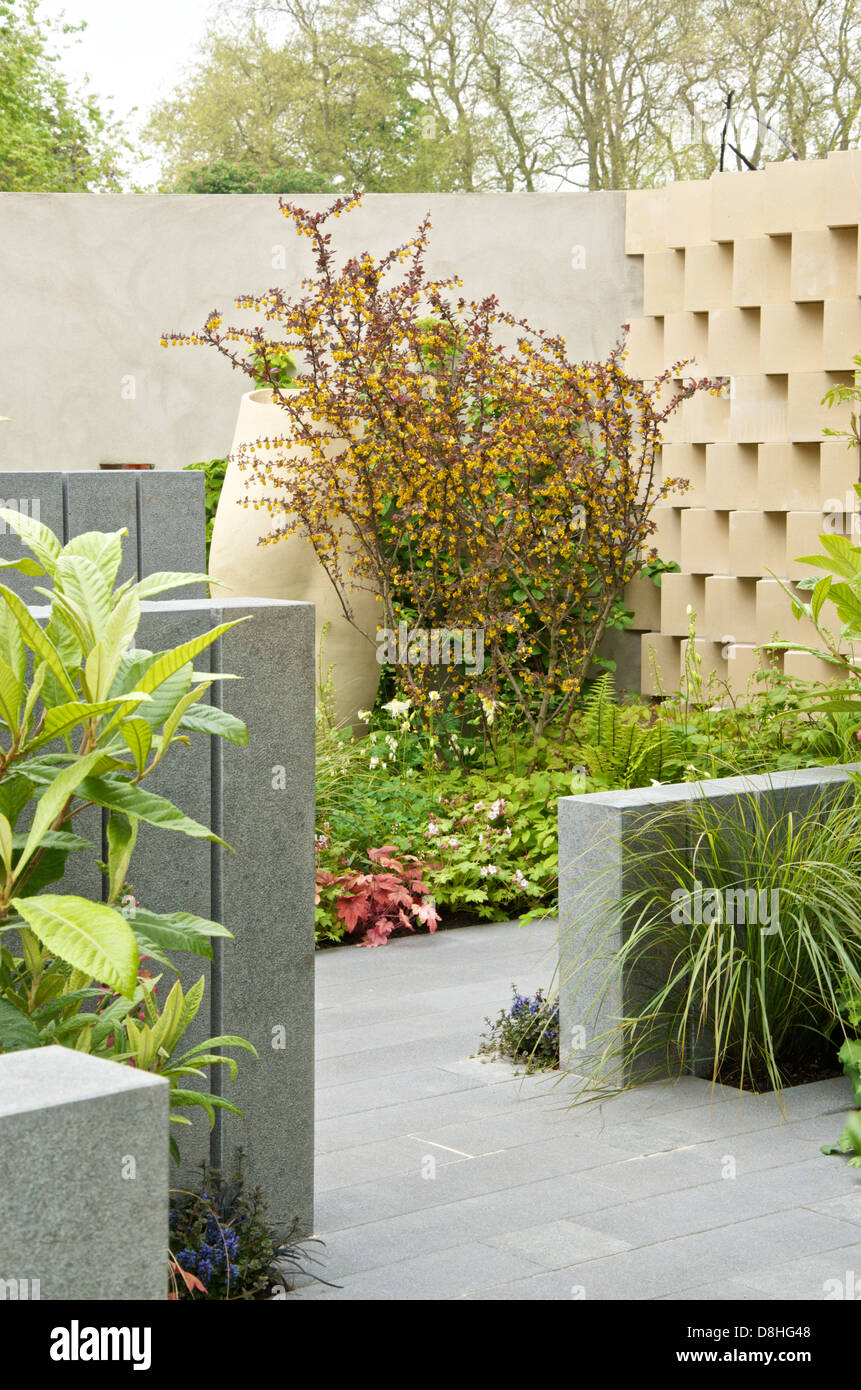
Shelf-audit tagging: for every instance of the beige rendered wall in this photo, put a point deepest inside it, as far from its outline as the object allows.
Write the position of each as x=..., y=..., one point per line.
x=757, y=276
x=89, y=283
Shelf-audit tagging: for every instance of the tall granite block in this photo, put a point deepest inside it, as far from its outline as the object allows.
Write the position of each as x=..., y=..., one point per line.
x=84, y=1195
x=170, y=872
x=106, y=502
x=605, y=839
x=262, y=888
x=172, y=518
x=266, y=889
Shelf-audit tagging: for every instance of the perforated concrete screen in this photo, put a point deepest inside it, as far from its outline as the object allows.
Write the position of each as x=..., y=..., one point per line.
x=756, y=276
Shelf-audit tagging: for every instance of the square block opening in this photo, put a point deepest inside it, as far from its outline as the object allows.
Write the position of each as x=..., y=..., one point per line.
x=708, y=276
x=789, y=477
x=791, y=337
x=733, y=342
x=680, y=592
x=686, y=338
x=758, y=408
x=731, y=477
x=824, y=263
x=730, y=614
x=705, y=541
x=686, y=461
x=756, y=543
x=761, y=271
x=663, y=282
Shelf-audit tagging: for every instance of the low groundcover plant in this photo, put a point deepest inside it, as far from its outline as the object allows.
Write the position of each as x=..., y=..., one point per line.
x=527, y=1032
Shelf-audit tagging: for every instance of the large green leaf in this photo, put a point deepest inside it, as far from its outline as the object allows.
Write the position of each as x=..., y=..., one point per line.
x=121, y=834
x=104, y=549
x=842, y=557
x=209, y=719
x=54, y=839
x=167, y=579
x=18, y=1032
x=10, y=698
x=138, y=737
x=25, y=566
x=36, y=639
x=15, y=792
x=54, y=798
x=119, y=633
x=88, y=936
x=130, y=673
x=12, y=649
x=62, y=718
x=178, y=931
x=166, y=663
x=36, y=537
x=133, y=800
x=80, y=581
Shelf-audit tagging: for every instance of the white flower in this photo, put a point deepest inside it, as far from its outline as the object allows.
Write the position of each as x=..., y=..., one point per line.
x=375, y=762
x=364, y=714
x=519, y=880
x=433, y=696
x=433, y=828
x=488, y=870
x=497, y=809
x=488, y=706
x=397, y=707
x=392, y=743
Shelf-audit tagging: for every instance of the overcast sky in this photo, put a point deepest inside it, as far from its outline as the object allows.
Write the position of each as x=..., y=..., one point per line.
x=133, y=50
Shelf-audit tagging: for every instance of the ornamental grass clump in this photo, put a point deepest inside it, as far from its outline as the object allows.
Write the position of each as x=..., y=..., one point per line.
x=448, y=457
x=740, y=933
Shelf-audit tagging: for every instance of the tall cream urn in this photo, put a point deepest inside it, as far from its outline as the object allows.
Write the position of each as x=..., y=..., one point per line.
x=289, y=568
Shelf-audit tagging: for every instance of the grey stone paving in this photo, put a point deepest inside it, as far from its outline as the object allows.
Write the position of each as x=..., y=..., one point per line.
x=440, y=1176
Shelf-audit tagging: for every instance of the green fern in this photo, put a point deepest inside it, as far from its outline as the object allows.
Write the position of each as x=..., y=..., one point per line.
x=619, y=752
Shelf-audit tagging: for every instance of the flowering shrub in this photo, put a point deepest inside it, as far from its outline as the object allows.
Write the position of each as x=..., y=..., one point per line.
x=501, y=490
x=392, y=893
x=526, y=1032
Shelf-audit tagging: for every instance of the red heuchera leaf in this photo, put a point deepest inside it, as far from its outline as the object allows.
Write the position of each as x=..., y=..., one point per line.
x=379, y=901
x=427, y=913
x=351, y=911
x=378, y=934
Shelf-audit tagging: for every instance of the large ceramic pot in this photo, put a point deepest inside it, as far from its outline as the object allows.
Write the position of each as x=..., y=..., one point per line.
x=290, y=568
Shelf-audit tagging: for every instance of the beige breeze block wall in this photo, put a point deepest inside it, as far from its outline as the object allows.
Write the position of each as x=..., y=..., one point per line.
x=757, y=276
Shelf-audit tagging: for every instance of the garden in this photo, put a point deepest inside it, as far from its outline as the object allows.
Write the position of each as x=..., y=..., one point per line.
x=489, y=488
x=475, y=505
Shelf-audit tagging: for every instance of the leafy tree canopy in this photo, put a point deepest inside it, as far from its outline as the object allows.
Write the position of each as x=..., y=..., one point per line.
x=53, y=139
